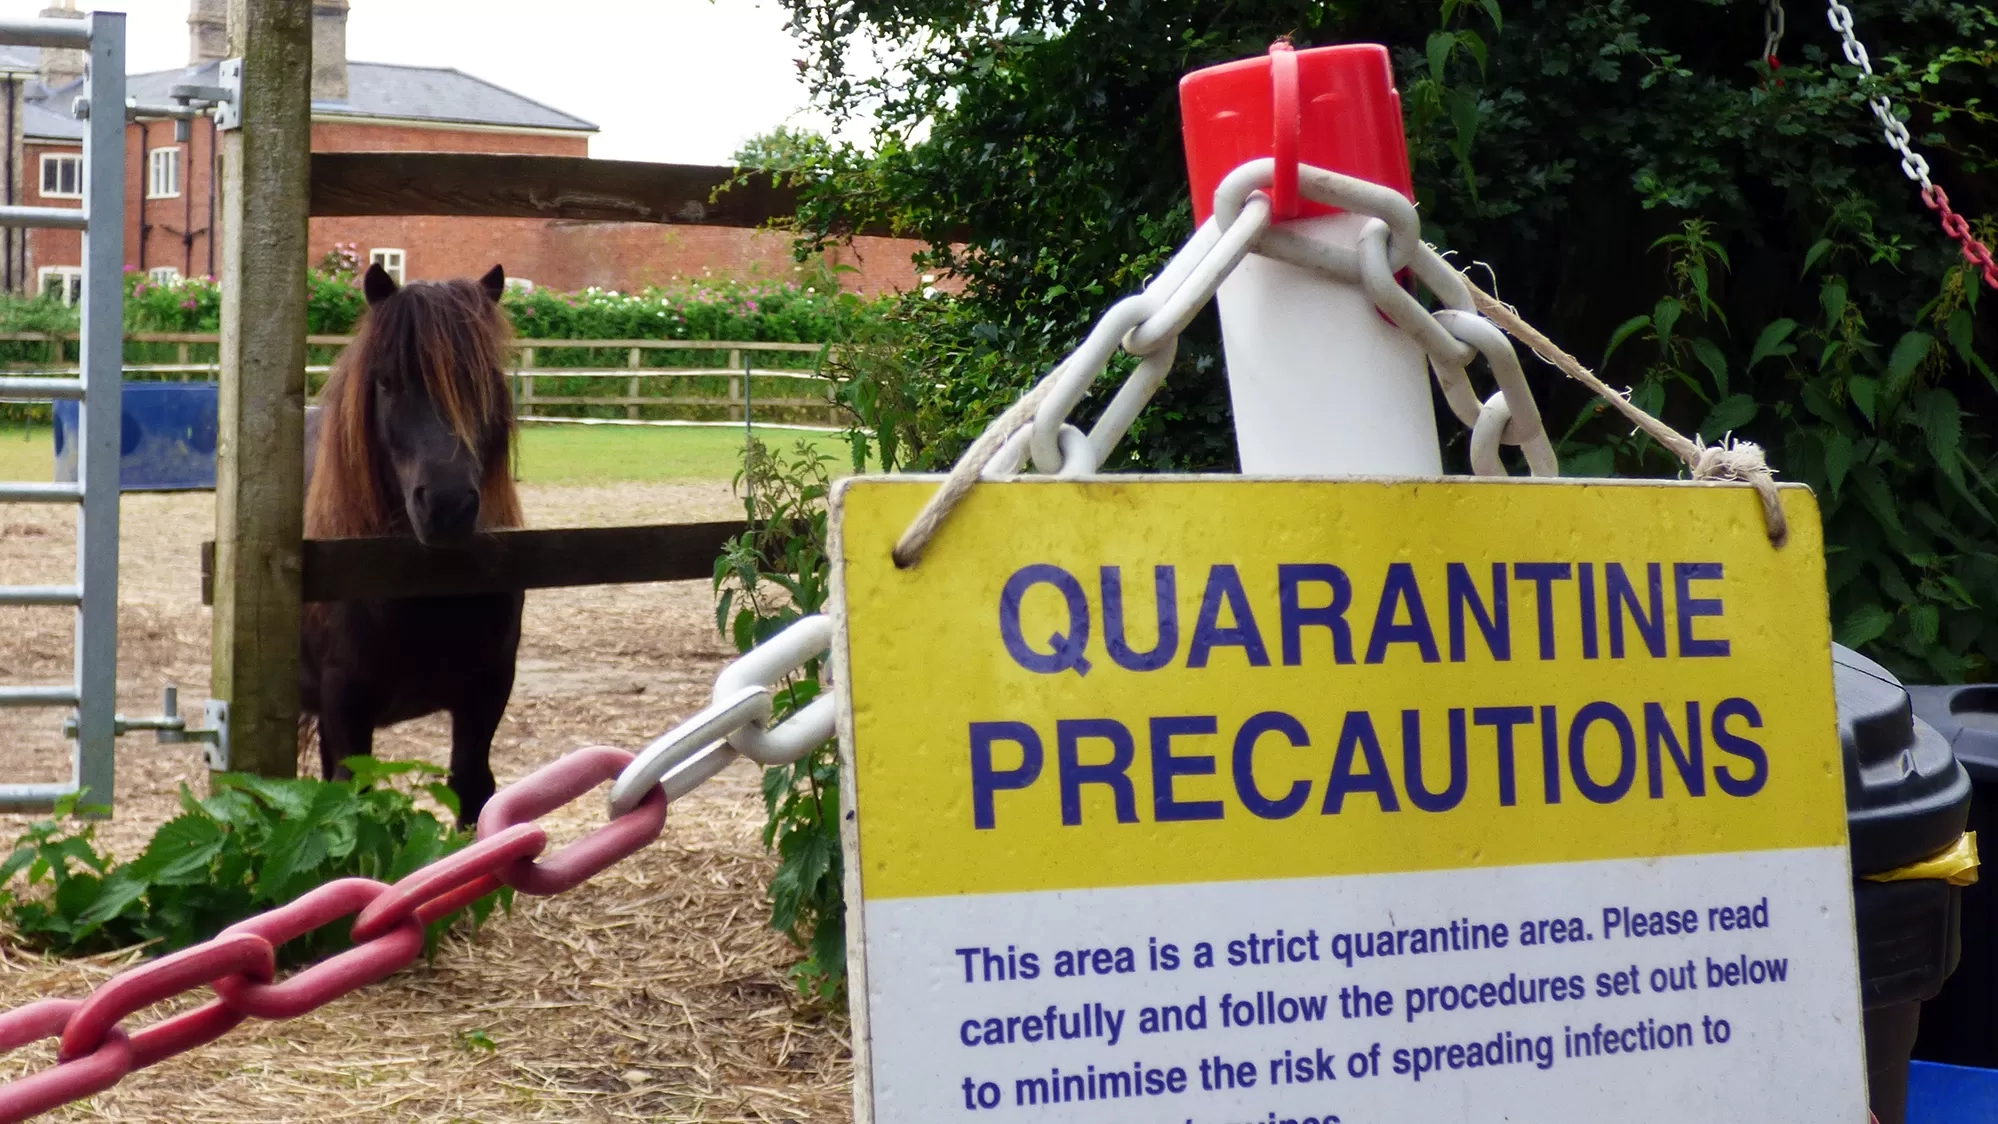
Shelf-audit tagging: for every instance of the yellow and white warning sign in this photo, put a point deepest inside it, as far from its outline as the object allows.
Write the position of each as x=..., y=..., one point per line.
x=1230, y=801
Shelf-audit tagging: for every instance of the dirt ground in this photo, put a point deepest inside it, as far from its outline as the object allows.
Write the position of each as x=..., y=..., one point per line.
x=656, y=992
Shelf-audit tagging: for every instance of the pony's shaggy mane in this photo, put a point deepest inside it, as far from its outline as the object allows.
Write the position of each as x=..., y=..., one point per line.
x=450, y=337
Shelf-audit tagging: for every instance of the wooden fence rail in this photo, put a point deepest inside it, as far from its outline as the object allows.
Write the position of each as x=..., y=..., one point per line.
x=635, y=374
x=497, y=561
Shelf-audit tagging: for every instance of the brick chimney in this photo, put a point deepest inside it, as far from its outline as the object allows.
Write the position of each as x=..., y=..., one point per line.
x=329, y=50
x=60, y=67
x=207, y=31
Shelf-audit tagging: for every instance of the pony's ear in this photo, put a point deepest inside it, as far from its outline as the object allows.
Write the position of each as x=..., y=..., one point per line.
x=494, y=283
x=377, y=284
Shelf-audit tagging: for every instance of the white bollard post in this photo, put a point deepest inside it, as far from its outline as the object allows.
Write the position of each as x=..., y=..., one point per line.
x=1321, y=385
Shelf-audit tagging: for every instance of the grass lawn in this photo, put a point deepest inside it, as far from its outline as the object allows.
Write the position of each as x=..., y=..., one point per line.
x=548, y=454
x=27, y=453
x=558, y=454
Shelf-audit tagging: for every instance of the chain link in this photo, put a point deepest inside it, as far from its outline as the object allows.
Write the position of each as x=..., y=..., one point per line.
x=1956, y=226
x=683, y=758
x=240, y=963
x=1773, y=27
x=1913, y=164
x=1148, y=323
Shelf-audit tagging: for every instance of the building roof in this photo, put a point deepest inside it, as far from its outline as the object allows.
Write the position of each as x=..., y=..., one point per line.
x=382, y=90
x=39, y=122
x=403, y=93
x=442, y=94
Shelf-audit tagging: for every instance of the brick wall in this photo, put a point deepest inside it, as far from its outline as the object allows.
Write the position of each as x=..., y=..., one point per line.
x=47, y=247
x=177, y=232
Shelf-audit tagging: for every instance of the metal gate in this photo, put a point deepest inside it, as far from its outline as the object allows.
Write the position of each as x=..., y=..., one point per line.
x=93, y=691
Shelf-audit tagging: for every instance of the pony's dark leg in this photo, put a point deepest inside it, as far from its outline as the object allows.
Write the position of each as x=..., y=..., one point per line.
x=346, y=726
x=472, y=725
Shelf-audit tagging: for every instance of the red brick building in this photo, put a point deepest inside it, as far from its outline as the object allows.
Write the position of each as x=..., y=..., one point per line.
x=171, y=202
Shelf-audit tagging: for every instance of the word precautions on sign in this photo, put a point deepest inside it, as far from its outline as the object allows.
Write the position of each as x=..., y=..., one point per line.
x=1225, y=801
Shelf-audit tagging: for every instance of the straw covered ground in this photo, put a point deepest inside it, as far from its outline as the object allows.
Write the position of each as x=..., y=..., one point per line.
x=656, y=992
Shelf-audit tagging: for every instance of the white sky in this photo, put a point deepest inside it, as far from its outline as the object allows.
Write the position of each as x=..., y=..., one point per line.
x=682, y=81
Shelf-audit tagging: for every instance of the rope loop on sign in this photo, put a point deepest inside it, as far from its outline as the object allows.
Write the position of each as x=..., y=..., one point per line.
x=1248, y=206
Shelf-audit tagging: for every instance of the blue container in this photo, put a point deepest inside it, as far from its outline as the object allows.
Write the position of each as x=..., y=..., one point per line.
x=167, y=441
x=1951, y=1094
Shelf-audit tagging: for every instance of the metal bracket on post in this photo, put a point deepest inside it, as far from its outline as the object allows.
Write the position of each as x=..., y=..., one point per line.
x=216, y=712
x=171, y=729
x=229, y=107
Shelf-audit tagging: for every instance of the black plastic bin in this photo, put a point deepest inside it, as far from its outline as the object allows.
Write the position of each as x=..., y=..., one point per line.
x=1960, y=1026
x=1907, y=799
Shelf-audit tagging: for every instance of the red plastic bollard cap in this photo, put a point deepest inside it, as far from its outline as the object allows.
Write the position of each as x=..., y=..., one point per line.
x=1348, y=120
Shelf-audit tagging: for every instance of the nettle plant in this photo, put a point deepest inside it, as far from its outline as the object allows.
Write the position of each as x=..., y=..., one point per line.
x=255, y=844
x=1857, y=417
x=773, y=574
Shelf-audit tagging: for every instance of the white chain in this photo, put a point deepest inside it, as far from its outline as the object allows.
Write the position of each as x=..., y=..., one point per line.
x=733, y=724
x=1148, y=324
x=1894, y=131
x=1773, y=26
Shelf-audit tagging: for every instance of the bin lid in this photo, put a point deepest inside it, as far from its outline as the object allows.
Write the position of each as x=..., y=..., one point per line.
x=1906, y=797
x=1967, y=718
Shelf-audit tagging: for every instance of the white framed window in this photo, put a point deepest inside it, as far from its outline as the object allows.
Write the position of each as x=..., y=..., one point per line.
x=392, y=262
x=63, y=282
x=62, y=175
x=163, y=173
x=163, y=275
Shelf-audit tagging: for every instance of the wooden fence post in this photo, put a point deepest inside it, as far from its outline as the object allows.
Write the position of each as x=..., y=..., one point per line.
x=633, y=360
x=736, y=385
x=260, y=462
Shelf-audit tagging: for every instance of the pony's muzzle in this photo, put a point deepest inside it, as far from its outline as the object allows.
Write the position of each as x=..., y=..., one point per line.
x=443, y=516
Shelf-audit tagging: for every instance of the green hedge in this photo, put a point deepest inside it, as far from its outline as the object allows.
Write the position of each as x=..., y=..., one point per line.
x=809, y=309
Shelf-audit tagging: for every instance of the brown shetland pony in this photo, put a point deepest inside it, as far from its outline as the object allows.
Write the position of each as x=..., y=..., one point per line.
x=413, y=439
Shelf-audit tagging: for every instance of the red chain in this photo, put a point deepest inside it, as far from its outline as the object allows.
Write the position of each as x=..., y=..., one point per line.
x=1958, y=227
x=240, y=963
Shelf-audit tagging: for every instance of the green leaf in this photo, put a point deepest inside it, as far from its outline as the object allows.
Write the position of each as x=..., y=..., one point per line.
x=119, y=890
x=1960, y=337
x=1492, y=10
x=370, y=771
x=16, y=862
x=1909, y=352
x=1771, y=342
x=1832, y=297
x=1709, y=355
x=302, y=842
x=1728, y=414
x=1623, y=332
x=1925, y=621
x=1666, y=315
x=181, y=849
x=1864, y=625
x=1595, y=463
x=1474, y=43
x=1441, y=44
x=290, y=797
x=1865, y=394
x=1818, y=250
x=76, y=894
x=1879, y=500
x=1941, y=421
x=446, y=799
x=1838, y=460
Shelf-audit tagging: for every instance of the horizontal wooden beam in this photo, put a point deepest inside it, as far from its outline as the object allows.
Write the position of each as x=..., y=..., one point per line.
x=517, y=344
x=384, y=568
x=539, y=187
